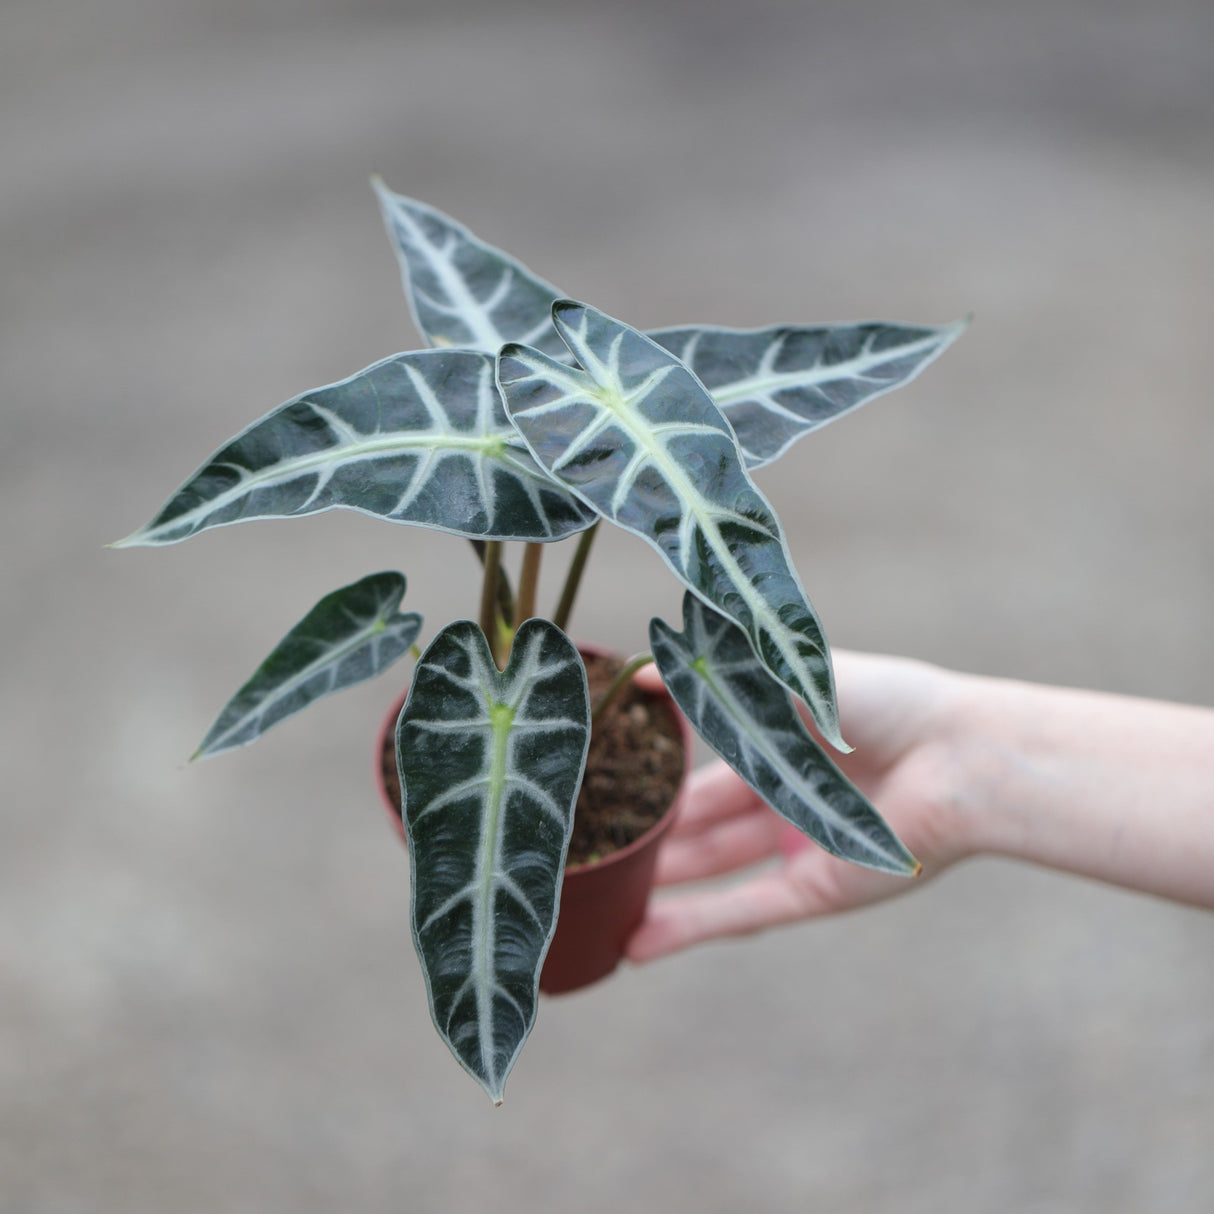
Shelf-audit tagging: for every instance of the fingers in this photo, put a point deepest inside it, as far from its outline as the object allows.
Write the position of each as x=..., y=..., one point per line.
x=725, y=847
x=714, y=794
x=648, y=678
x=672, y=924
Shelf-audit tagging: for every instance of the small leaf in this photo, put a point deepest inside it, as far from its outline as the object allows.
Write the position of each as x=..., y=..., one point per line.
x=490, y=765
x=748, y=719
x=462, y=291
x=350, y=636
x=417, y=438
x=777, y=385
x=636, y=436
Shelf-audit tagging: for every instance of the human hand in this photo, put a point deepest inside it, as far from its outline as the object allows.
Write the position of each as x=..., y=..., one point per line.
x=897, y=714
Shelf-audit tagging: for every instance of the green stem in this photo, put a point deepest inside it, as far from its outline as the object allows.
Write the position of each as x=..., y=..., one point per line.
x=505, y=598
x=489, y=596
x=618, y=684
x=528, y=581
x=573, y=579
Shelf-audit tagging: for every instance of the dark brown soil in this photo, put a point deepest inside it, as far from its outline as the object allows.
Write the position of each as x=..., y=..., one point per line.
x=632, y=771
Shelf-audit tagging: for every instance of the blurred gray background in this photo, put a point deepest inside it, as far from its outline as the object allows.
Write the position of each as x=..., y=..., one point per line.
x=208, y=998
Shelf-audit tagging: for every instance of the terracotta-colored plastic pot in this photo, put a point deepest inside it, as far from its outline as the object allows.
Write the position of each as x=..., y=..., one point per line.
x=602, y=902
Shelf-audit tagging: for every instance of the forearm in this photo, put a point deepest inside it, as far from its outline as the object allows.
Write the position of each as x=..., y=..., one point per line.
x=1118, y=789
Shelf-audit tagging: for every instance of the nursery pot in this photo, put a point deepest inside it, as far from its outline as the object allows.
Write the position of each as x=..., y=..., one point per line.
x=602, y=901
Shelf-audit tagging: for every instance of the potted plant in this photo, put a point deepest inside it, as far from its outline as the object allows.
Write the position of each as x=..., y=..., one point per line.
x=531, y=419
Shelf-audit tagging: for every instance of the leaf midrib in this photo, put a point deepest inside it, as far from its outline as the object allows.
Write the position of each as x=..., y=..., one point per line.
x=487, y=445
x=501, y=720
x=740, y=390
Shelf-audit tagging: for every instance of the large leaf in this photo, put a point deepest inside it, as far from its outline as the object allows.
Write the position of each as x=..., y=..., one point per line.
x=417, y=438
x=748, y=719
x=637, y=437
x=777, y=385
x=490, y=765
x=462, y=291
x=350, y=636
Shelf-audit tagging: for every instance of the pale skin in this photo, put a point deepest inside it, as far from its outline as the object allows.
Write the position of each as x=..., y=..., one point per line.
x=1109, y=787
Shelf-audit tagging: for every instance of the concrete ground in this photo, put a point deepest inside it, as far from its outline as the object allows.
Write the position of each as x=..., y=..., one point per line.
x=208, y=998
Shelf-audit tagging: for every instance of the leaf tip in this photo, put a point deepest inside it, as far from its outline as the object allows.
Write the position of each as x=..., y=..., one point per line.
x=953, y=331
x=493, y=1086
x=834, y=736
x=208, y=748
x=827, y=721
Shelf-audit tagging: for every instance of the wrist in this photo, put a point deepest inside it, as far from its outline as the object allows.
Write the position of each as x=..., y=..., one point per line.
x=922, y=763
x=965, y=760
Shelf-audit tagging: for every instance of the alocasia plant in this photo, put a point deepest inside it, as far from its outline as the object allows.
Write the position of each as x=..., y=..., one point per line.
x=532, y=419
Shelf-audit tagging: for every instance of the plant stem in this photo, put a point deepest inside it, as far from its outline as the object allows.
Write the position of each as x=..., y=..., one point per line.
x=489, y=596
x=618, y=684
x=505, y=598
x=528, y=581
x=574, y=577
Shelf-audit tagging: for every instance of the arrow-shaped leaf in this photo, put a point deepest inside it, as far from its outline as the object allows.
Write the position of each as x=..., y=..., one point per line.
x=462, y=291
x=637, y=437
x=748, y=719
x=417, y=438
x=350, y=636
x=490, y=765
x=776, y=385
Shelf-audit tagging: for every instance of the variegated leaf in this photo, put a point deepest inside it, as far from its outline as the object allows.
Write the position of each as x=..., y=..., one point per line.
x=774, y=384
x=417, y=438
x=490, y=765
x=637, y=437
x=462, y=291
x=748, y=719
x=350, y=636
x=777, y=385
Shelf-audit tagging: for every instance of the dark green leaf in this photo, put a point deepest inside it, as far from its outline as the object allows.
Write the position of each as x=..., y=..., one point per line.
x=749, y=720
x=490, y=765
x=777, y=385
x=637, y=437
x=464, y=292
x=350, y=636
x=417, y=438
